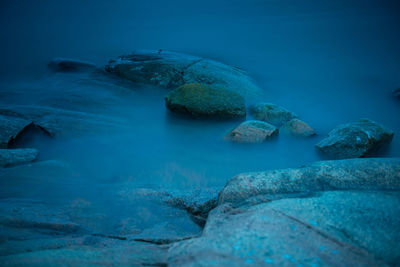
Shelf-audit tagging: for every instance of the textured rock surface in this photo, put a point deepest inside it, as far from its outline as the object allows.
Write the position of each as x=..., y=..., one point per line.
x=357, y=174
x=355, y=140
x=10, y=157
x=327, y=230
x=252, y=132
x=171, y=70
x=297, y=127
x=10, y=127
x=70, y=65
x=200, y=100
x=271, y=113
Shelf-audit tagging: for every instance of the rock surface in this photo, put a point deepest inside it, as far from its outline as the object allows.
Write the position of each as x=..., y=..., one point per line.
x=252, y=132
x=355, y=140
x=70, y=65
x=171, y=70
x=11, y=157
x=10, y=127
x=327, y=230
x=351, y=174
x=271, y=113
x=200, y=100
x=297, y=127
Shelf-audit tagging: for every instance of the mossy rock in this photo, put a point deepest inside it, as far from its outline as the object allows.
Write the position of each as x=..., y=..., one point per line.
x=199, y=100
x=271, y=113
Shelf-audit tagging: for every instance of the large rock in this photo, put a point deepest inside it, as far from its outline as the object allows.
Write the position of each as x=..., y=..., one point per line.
x=271, y=113
x=200, y=100
x=10, y=127
x=11, y=157
x=171, y=70
x=355, y=140
x=351, y=174
x=333, y=229
x=252, y=132
x=70, y=65
x=297, y=127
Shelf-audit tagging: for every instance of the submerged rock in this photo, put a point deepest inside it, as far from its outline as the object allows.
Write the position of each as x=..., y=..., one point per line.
x=271, y=113
x=199, y=100
x=10, y=127
x=397, y=93
x=70, y=65
x=252, y=132
x=333, y=229
x=171, y=70
x=355, y=140
x=11, y=157
x=297, y=127
x=350, y=174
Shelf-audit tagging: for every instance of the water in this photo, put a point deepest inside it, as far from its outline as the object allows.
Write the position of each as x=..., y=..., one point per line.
x=331, y=62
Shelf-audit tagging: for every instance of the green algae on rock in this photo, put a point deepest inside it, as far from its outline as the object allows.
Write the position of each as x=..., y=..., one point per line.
x=354, y=140
x=252, y=132
x=199, y=100
x=271, y=113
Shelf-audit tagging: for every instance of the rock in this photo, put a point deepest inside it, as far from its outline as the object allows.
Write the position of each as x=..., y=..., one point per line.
x=70, y=65
x=397, y=93
x=200, y=100
x=271, y=113
x=171, y=70
x=56, y=122
x=333, y=229
x=350, y=174
x=252, y=132
x=297, y=127
x=354, y=140
x=10, y=127
x=11, y=157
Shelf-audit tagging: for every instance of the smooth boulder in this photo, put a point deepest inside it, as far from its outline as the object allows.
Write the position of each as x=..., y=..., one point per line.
x=349, y=174
x=271, y=113
x=171, y=70
x=252, y=132
x=199, y=100
x=354, y=140
x=297, y=127
x=10, y=127
x=11, y=157
x=332, y=229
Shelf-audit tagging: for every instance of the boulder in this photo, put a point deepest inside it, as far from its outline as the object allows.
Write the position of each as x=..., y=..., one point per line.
x=171, y=70
x=70, y=65
x=10, y=127
x=252, y=132
x=350, y=174
x=11, y=157
x=396, y=93
x=271, y=113
x=332, y=229
x=354, y=140
x=199, y=100
x=297, y=127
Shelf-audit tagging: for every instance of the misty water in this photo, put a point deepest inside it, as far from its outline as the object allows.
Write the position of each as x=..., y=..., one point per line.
x=330, y=62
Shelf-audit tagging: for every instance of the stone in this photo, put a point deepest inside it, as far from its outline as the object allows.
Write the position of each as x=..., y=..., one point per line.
x=396, y=93
x=349, y=174
x=271, y=113
x=252, y=132
x=199, y=100
x=297, y=127
x=10, y=127
x=70, y=65
x=171, y=70
x=354, y=140
x=11, y=157
x=332, y=229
